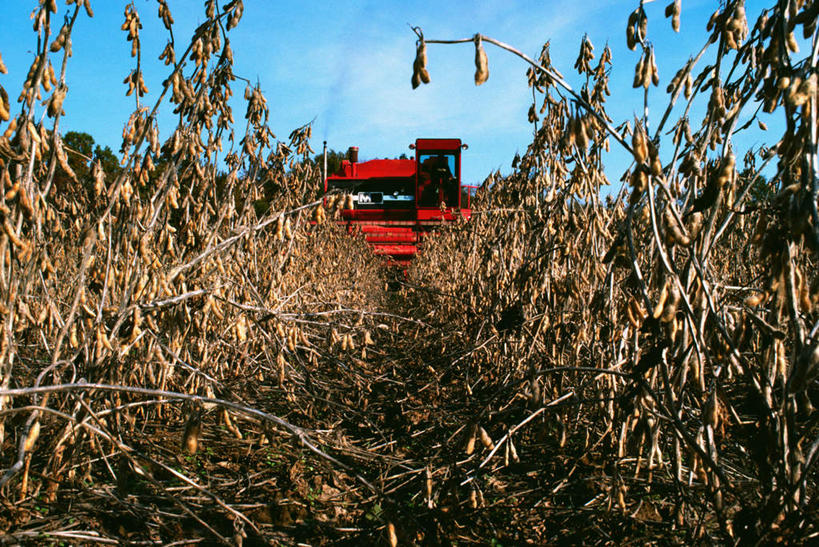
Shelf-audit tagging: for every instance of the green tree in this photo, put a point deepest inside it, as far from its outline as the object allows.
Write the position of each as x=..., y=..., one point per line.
x=82, y=153
x=108, y=160
x=79, y=148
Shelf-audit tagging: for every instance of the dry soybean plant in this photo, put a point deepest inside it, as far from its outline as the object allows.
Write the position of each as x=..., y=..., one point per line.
x=677, y=323
x=190, y=341
x=161, y=320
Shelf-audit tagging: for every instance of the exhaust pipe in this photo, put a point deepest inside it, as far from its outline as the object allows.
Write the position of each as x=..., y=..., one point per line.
x=324, y=170
x=352, y=154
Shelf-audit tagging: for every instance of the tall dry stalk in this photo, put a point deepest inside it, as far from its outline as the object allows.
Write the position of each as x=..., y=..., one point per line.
x=682, y=314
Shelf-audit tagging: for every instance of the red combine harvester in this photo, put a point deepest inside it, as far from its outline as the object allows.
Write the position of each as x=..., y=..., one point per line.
x=394, y=203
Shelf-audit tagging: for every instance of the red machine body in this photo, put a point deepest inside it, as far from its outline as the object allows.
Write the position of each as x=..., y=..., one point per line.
x=396, y=202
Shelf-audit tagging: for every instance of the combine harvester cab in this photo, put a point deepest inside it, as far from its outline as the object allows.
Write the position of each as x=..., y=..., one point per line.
x=396, y=202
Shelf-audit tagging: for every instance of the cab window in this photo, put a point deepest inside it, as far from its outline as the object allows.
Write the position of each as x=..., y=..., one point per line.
x=437, y=180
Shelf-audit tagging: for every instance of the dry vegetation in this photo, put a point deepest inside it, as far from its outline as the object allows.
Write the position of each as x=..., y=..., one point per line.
x=185, y=348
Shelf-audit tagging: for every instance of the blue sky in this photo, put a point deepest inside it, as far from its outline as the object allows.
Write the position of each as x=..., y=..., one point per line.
x=347, y=66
